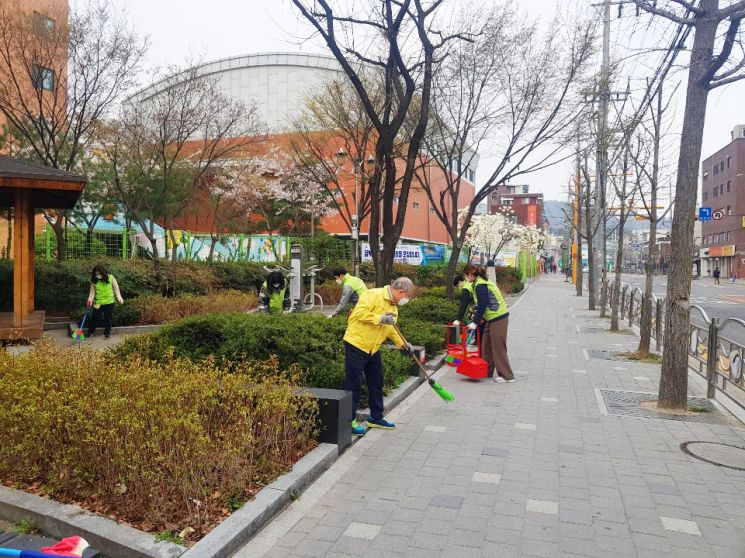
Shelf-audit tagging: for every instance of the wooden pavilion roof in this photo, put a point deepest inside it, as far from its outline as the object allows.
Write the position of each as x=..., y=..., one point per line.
x=51, y=188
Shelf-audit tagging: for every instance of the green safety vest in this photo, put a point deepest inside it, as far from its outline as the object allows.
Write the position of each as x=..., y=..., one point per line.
x=276, y=300
x=496, y=306
x=357, y=284
x=468, y=286
x=105, y=291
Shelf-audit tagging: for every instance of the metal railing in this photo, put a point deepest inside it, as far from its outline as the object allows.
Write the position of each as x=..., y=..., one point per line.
x=715, y=352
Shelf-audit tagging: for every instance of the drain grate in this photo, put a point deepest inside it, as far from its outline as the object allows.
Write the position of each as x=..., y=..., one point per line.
x=628, y=404
x=600, y=354
x=716, y=453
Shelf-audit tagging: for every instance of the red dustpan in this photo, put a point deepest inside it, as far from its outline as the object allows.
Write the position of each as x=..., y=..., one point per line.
x=472, y=365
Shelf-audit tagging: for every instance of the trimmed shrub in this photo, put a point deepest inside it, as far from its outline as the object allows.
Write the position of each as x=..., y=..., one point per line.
x=430, y=308
x=157, y=445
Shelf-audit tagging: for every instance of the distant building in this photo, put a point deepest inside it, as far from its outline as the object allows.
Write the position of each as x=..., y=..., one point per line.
x=723, y=190
x=527, y=206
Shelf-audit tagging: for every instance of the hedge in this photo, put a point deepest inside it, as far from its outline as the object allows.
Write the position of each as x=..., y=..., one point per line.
x=62, y=288
x=311, y=341
x=158, y=445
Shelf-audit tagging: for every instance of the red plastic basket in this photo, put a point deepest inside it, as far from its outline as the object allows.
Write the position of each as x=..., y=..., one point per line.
x=472, y=365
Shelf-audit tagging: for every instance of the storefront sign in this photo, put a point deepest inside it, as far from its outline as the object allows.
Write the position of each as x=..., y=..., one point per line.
x=413, y=254
x=722, y=251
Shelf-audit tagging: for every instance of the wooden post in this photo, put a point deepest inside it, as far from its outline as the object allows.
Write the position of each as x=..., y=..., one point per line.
x=23, y=263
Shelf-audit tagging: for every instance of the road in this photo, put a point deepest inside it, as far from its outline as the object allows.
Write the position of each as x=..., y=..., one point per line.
x=726, y=300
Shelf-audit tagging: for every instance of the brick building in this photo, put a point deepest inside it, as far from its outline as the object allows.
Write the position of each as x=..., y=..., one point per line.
x=723, y=190
x=527, y=206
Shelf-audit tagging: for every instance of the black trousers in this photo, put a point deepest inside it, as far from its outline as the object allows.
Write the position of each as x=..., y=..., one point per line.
x=358, y=363
x=107, y=312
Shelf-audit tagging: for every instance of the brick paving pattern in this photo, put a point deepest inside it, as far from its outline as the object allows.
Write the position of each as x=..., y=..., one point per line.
x=526, y=469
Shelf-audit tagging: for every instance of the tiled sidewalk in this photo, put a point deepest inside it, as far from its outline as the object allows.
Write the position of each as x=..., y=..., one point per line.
x=525, y=469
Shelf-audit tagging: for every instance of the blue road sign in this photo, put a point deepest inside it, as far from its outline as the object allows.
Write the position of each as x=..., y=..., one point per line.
x=704, y=214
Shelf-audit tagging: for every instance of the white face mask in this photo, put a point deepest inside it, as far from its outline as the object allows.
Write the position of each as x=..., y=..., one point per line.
x=276, y=285
x=99, y=276
x=338, y=281
x=403, y=301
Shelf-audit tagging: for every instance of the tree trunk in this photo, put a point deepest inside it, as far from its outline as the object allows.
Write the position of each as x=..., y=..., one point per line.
x=213, y=243
x=617, y=279
x=645, y=323
x=590, y=252
x=674, y=377
x=451, y=269
x=59, y=232
x=88, y=242
x=578, y=263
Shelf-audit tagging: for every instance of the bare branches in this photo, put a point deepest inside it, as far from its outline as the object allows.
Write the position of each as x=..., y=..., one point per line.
x=651, y=7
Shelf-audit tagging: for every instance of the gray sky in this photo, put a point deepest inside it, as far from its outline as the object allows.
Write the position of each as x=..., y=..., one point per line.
x=178, y=29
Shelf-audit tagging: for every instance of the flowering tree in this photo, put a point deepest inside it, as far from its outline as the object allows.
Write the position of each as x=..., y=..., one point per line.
x=489, y=233
x=531, y=239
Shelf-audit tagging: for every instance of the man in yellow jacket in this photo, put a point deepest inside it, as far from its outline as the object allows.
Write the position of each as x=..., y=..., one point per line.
x=370, y=324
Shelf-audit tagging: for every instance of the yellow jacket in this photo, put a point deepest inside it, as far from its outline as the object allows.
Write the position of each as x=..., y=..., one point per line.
x=364, y=329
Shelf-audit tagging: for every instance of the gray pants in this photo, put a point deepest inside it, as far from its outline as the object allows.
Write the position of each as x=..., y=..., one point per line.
x=494, y=348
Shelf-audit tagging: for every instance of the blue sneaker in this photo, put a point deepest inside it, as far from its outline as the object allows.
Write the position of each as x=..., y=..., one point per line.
x=357, y=430
x=380, y=423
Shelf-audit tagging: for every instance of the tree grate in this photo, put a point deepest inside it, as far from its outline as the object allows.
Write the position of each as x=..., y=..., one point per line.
x=600, y=354
x=628, y=404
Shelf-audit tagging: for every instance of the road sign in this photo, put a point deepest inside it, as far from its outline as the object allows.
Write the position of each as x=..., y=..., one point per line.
x=718, y=215
x=704, y=214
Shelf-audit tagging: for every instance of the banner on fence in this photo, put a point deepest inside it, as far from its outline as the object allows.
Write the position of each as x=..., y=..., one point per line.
x=267, y=249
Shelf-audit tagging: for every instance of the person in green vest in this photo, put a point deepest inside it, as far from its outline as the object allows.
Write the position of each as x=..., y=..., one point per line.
x=491, y=308
x=466, y=299
x=102, y=295
x=351, y=289
x=274, y=296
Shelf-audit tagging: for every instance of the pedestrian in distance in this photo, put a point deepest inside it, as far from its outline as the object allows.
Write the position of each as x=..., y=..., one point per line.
x=370, y=323
x=274, y=296
x=491, y=308
x=351, y=289
x=102, y=295
x=717, y=273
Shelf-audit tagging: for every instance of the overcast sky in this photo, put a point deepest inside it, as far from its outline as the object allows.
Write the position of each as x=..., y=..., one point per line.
x=178, y=29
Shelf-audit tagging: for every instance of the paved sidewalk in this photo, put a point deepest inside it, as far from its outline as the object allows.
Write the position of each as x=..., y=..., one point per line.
x=525, y=469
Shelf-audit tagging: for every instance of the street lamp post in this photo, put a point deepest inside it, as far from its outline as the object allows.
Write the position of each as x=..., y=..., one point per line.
x=356, y=172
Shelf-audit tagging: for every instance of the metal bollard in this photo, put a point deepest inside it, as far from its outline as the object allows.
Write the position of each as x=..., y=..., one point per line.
x=631, y=307
x=711, y=359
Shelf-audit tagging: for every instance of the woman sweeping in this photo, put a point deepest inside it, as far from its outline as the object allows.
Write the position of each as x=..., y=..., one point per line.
x=103, y=293
x=492, y=309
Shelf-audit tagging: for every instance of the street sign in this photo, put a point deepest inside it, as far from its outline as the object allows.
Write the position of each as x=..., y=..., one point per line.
x=718, y=215
x=704, y=214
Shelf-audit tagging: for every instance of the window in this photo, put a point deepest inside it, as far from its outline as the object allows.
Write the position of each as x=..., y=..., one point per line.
x=42, y=78
x=506, y=202
x=721, y=166
x=721, y=188
x=510, y=189
x=416, y=205
x=706, y=196
x=715, y=192
x=526, y=201
x=431, y=210
x=716, y=170
x=43, y=26
x=729, y=183
x=706, y=175
x=729, y=161
x=729, y=210
x=525, y=189
x=395, y=199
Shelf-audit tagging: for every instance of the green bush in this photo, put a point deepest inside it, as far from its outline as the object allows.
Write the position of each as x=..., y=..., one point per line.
x=162, y=445
x=430, y=308
x=310, y=341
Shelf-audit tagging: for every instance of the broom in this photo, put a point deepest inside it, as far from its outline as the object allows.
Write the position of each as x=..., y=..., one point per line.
x=439, y=390
x=78, y=334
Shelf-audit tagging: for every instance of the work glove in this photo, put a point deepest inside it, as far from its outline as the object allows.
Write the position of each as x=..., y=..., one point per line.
x=388, y=319
x=408, y=348
x=89, y=303
x=472, y=326
x=329, y=316
x=456, y=323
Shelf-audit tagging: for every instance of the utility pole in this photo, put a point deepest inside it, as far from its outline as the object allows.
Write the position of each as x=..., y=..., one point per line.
x=601, y=162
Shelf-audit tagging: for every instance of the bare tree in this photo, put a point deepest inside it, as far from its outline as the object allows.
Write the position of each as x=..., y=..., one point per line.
x=707, y=71
x=59, y=77
x=518, y=89
x=400, y=42
x=625, y=200
x=170, y=137
x=334, y=120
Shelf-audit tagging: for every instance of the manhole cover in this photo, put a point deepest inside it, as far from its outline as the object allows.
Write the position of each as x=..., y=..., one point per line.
x=600, y=354
x=723, y=455
x=628, y=404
